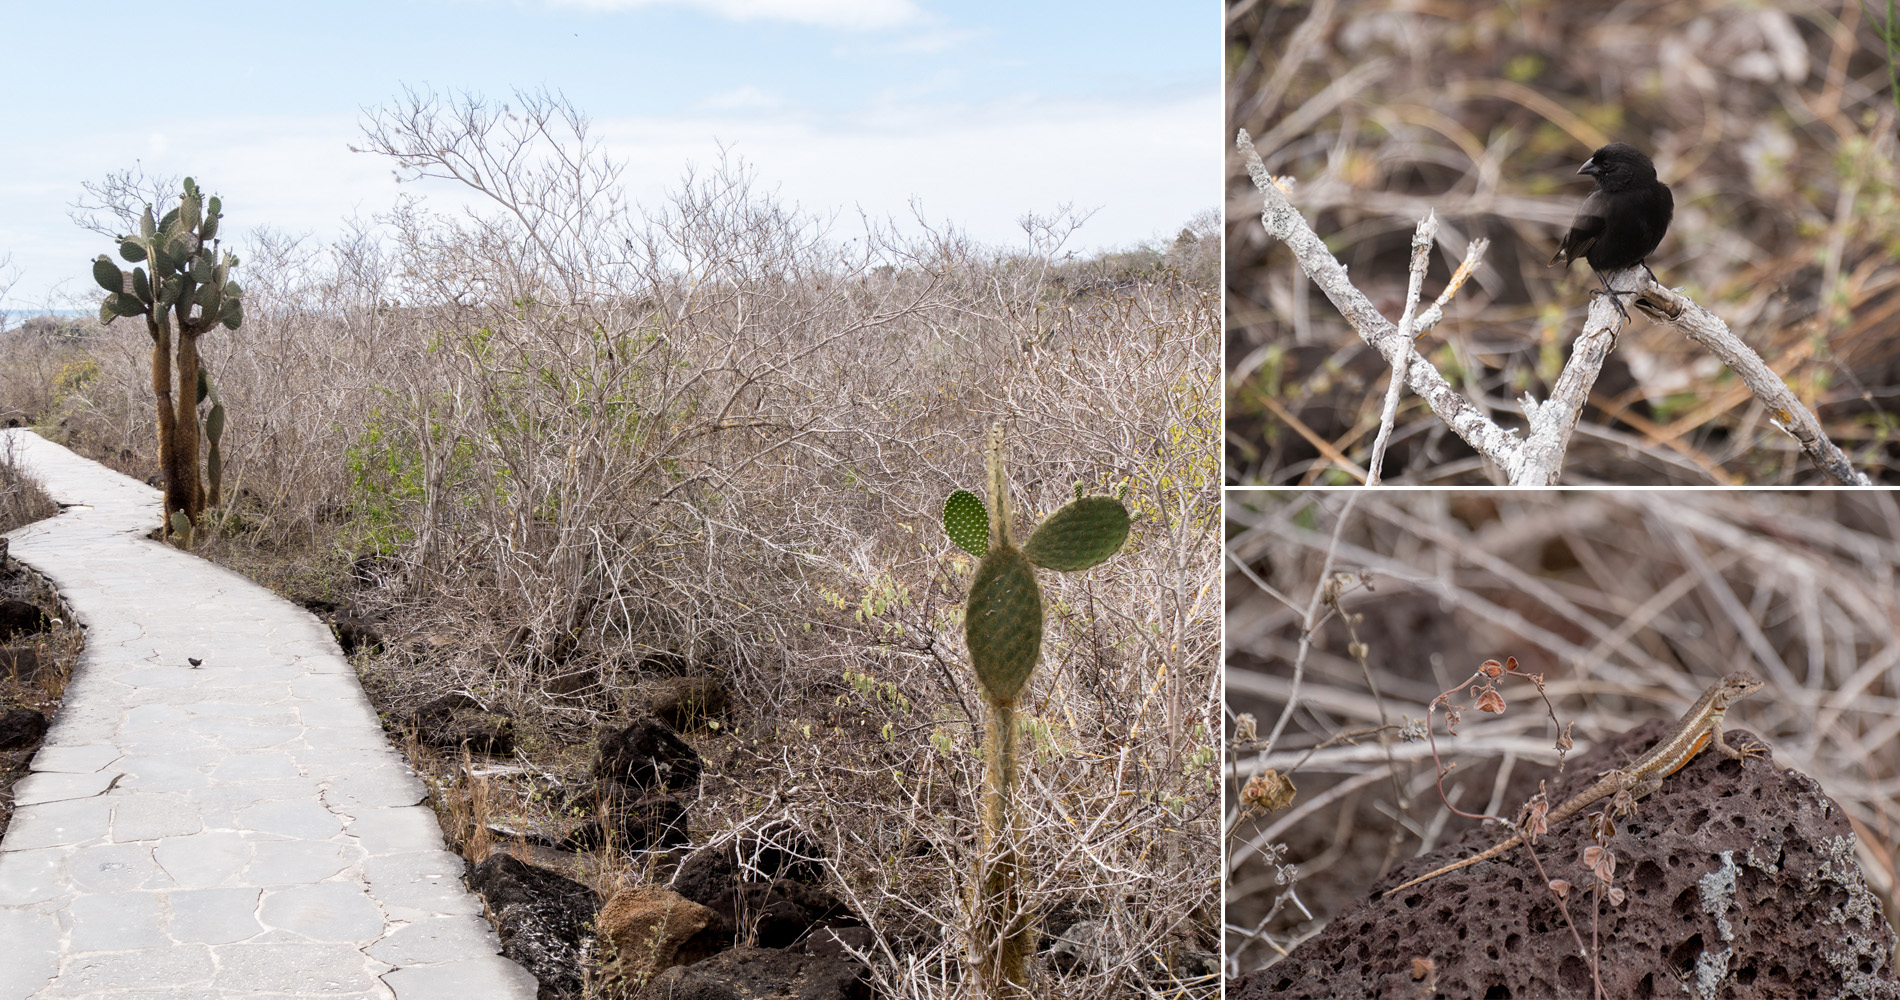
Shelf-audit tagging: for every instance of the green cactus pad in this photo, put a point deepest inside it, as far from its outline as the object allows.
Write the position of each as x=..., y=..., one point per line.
x=214, y=425
x=132, y=250
x=231, y=314
x=107, y=274
x=202, y=267
x=147, y=228
x=209, y=231
x=204, y=385
x=1079, y=535
x=107, y=312
x=1002, y=623
x=967, y=522
x=141, y=285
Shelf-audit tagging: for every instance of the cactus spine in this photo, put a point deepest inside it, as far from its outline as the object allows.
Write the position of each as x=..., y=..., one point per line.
x=1003, y=623
x=189, y=287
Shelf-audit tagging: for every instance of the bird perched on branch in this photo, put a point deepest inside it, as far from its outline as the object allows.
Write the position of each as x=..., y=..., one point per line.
x=1623, y=220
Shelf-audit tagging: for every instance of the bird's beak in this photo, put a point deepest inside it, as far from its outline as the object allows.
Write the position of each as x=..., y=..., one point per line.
x=1589, y=167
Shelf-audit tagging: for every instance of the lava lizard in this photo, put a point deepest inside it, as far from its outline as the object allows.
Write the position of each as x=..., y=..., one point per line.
x=1699, y=727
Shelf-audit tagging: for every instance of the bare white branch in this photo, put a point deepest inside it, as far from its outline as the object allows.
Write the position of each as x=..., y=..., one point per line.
x=1537, y=458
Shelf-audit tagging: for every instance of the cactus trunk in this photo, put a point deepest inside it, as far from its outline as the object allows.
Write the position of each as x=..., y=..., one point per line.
x=185, y=429
x=161, y=331
x=1000, y=929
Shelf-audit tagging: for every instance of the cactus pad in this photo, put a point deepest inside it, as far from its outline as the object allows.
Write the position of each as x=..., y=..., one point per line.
x=107, y=274
x=1081, y=534
x=967, y=522
x=1002, y=623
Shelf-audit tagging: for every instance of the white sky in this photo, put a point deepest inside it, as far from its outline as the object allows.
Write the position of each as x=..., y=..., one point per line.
x=979, y=111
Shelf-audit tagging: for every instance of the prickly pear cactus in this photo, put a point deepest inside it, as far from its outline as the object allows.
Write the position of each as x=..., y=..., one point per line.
x=188, y=291
x=1002, y=625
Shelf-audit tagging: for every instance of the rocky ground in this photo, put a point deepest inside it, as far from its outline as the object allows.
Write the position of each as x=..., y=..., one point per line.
x=39, y=646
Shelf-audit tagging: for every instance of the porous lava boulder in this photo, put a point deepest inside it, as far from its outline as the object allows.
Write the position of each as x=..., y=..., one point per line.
x=649, y=756
x=749, y=973
x=21, y=727
x=777, y=850
x=354, y=634
x=689, y=702
x=542, y=918
x=22, y=664
x=1740, y=879
x=457, y=720
x=647, y=930
x=780, y=913
x=624, y=818
x=18, y=618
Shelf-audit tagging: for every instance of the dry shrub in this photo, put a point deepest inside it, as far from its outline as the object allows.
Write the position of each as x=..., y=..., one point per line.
x=1773, y=123
x=1629, y=603
x=579, y=438
x=21, y=500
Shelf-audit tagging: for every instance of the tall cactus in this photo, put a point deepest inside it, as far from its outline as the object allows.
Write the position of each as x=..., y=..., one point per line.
x=1003, y=621
x=190, y=287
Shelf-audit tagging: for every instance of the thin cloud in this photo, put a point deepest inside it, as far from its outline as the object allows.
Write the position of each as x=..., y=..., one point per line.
x=859, y=15
x=747, y=98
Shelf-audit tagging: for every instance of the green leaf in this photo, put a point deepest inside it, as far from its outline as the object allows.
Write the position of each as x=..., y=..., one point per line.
x=107, y=274
x=1002, y=624
x=1081, y=534
x=967, y=522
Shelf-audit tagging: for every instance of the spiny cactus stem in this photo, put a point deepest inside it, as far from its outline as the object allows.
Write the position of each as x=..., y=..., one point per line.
x=1003, y=935
x=999, y=488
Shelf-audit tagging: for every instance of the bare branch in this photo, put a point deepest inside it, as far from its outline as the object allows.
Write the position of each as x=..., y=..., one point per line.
x=1707, y=329
x=1537, y=458
x=1422, y=240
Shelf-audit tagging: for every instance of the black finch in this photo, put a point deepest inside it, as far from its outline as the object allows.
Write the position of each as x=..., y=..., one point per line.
x=1623, y=220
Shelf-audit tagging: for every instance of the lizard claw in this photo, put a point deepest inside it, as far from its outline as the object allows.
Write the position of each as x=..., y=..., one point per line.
x=1752, y=750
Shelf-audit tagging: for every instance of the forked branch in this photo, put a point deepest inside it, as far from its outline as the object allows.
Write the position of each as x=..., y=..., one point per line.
x=1536, y=459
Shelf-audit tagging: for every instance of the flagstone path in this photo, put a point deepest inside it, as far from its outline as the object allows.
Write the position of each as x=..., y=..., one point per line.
x=238, y=829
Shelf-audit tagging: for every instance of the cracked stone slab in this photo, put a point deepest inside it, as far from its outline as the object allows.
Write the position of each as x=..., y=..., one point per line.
x=237, y=829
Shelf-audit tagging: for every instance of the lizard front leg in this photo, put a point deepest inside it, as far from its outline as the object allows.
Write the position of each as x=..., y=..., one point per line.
x=1753, y=749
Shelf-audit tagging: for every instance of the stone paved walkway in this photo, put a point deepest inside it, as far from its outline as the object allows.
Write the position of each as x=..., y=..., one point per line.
x=241, y=829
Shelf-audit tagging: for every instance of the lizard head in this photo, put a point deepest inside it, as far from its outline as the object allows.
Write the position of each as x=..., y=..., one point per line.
x=1740, y=683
